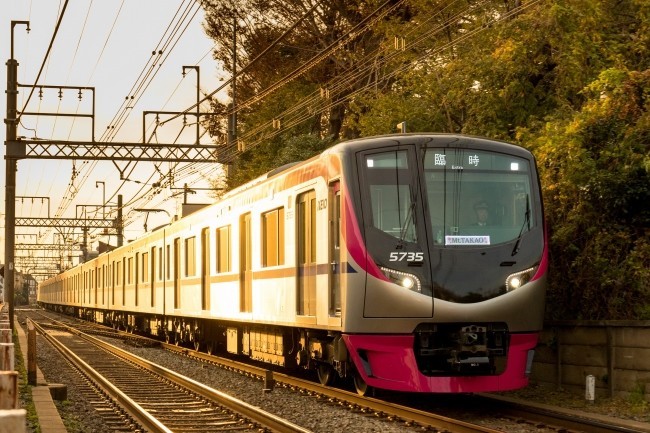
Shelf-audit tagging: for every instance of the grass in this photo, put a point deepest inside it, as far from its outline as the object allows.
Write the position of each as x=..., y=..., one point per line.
x=634, y=406
x=24, y=389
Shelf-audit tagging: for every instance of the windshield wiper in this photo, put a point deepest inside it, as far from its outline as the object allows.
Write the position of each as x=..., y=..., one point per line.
x=526, y=223
x=407, y=223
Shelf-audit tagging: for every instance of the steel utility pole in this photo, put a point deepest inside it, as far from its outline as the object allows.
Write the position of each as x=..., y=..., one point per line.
x=73, y=150
x=11, y=166
x=232, y=119
x=198, y=98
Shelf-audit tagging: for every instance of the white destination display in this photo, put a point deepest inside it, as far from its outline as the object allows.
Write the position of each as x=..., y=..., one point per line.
x=467, y=240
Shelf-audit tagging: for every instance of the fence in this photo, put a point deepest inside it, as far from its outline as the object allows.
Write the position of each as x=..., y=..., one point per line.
x=12, y=419
x=617, y=353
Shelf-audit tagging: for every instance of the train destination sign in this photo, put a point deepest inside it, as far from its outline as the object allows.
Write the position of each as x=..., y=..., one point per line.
x=467, y=240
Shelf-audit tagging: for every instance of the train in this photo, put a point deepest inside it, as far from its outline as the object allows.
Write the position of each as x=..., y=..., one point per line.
x=405, y=262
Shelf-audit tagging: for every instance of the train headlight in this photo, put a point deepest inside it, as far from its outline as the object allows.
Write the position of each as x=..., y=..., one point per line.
x=518, y=279
x=408, y=281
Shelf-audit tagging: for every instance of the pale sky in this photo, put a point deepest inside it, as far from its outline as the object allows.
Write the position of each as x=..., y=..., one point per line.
x=106, y=44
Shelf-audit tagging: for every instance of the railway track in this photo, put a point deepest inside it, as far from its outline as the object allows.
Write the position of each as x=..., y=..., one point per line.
x=404, y=413
x=136, y=395
x=410, y=417
x=538, y=417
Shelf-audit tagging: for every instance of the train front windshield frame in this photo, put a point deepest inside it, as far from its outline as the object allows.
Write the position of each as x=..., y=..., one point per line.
x=477, y=198
x=391, y=194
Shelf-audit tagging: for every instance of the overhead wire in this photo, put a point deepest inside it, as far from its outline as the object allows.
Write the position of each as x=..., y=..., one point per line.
x=342, y=80
x=74, y=189
x=68, y=199
x=233, y=150
x=49, y=48
x=339, y=80
x=148, y=73
x=254, y=61
x=170, y=33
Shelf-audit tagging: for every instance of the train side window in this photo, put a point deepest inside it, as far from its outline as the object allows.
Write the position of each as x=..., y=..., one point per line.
x=123, y=280
x=190, y=256
x=113, y=281
x=273, y=237
x=129, y=270
x=160, y=264
x=168, y=259
x=223, y=249
x=145, y=267
x=135, y=277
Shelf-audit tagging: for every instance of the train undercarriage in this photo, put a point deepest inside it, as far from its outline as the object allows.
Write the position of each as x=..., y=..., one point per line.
x=438, y=349
x=320, y=351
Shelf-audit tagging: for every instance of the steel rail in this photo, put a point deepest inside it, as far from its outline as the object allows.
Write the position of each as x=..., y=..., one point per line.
x=265, y=419
x=143, y=417
x=567, y=418
x=406, y=414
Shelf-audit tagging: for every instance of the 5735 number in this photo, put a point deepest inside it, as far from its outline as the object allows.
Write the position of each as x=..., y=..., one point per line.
x=409, y=257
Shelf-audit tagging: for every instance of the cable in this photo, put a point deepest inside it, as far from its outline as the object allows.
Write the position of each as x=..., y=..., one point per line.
x=172, y=29
x=252, y=62
x=49, y=48
x=232, y=150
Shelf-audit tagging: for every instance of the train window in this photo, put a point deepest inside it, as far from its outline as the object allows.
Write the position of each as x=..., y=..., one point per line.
x=306, y=248
x=389, y=180
x=177, y=273
x=168, y=259
x=190, y=256
x=113, y=280
x=160, y=264
x=477, y=197
x=145, y=267
x=223, y=249
x=135, y=277
x=152, y=286
x=121, y=272
x=205, y=268
x=273, y=237
x=129, y=270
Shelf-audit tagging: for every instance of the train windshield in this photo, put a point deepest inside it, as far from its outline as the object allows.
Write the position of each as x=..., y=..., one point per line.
x=391, y=194
x=477, y=198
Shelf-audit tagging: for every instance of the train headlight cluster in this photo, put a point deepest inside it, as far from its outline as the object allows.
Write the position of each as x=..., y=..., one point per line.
x=408, y=281
x=518, y=279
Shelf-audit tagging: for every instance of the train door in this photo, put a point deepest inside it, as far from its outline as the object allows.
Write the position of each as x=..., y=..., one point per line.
x=335, y=248
x=123, y=282
x=136, y=279
x=93, y=281
x=177, y=273
x=245, y=265
x=394, y=231
x=306, y=220
x=101, y=282
x=152, y=275
x=113, y=283
x=205, y=269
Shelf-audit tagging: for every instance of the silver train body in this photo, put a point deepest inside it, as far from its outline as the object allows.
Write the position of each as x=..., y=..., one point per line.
x=365, y=262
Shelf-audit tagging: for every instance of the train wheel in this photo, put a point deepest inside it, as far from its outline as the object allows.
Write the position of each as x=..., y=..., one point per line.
x=360, y=385
x=326, y=374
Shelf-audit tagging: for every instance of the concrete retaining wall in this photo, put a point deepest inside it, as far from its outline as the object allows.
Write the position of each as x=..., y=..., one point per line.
x=617, y=353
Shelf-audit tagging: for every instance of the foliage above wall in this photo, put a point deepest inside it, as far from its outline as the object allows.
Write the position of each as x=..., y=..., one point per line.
x=570, y=80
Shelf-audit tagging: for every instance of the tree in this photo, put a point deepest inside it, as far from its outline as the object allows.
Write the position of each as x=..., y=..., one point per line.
x=290, y=66
x=570, y=80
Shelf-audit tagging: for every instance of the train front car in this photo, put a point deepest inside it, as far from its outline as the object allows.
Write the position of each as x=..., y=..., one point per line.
x=449, y=234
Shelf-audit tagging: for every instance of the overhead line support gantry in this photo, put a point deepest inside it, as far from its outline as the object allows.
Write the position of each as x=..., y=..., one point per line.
x=17, y=148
